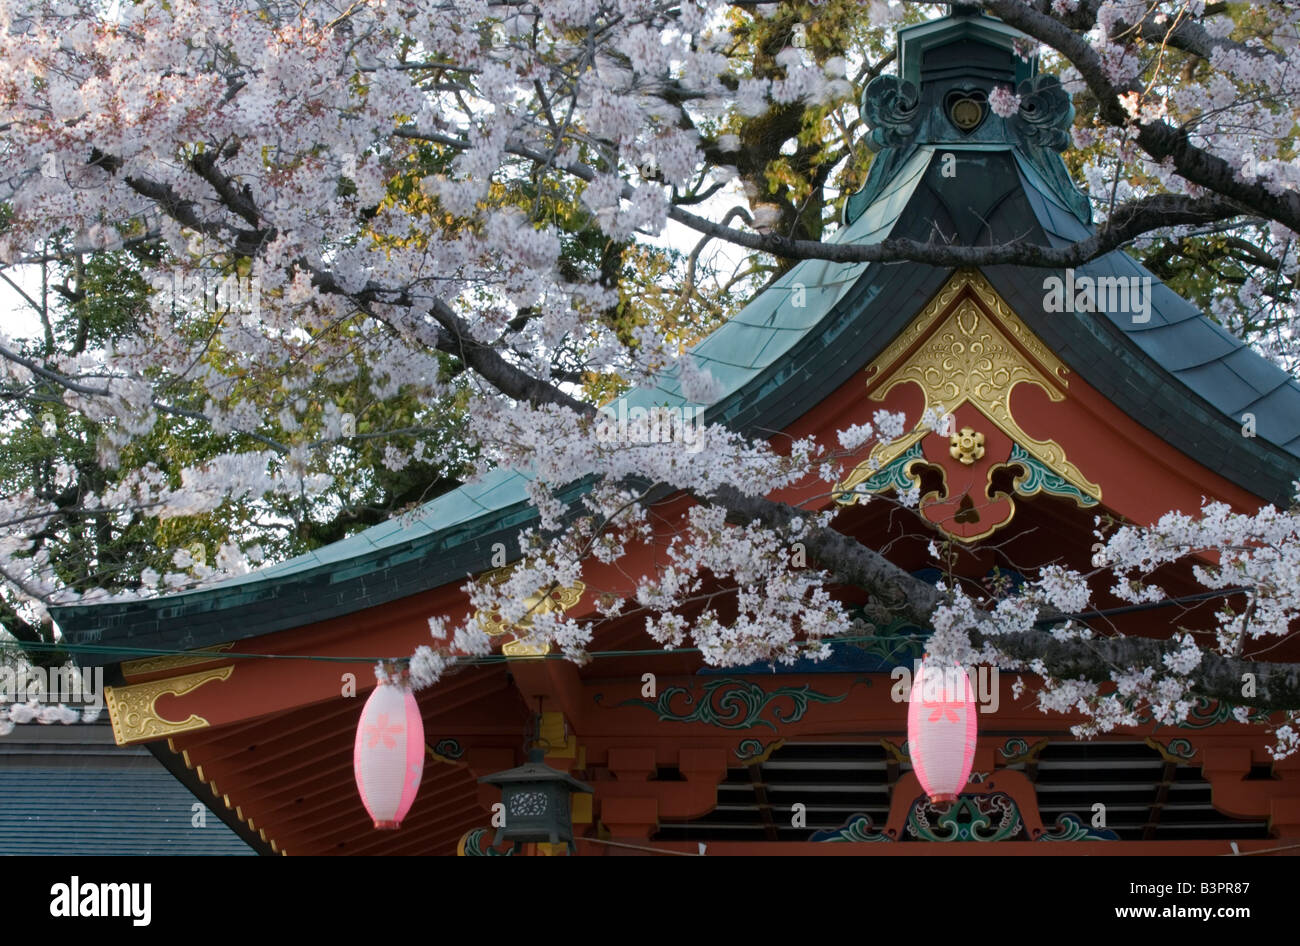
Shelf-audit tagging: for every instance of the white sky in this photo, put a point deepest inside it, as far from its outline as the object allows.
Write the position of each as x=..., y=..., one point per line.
x=17, y=320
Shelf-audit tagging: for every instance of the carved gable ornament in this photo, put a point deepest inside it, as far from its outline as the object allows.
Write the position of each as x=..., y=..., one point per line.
x=967, y=353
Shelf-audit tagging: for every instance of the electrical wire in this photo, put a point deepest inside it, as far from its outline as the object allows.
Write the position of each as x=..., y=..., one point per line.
x=141, y=652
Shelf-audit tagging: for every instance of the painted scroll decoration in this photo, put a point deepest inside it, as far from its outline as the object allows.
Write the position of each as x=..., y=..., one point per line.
x=977, y=818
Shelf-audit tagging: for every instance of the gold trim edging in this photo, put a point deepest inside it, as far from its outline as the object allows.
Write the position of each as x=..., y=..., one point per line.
x=136, y=668
x=239, y=812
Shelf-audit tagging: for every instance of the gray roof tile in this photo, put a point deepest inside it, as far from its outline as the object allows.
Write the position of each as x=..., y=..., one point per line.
x=67, y=790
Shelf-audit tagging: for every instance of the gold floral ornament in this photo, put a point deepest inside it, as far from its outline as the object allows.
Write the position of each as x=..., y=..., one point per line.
x=494, y=624
x=967, y=446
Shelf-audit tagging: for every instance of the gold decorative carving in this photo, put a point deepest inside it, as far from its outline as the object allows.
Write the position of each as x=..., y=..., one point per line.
x=967, y=446
x=956, y=353
x=966, y=113
x=522, y=648
x=131, y=707
x=494, y=625
x=136, y=668
x=557, y=736
x=761, y=757
x=895, y=752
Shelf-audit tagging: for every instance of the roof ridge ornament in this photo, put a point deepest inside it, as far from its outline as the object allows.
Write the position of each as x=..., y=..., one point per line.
x=947, y=72
x=1042, y=130
x=890, y=110
x=889, y=107
x=1045, y=114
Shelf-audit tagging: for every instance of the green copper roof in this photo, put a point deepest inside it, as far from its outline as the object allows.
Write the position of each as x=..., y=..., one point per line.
x=939, y=98
x=966, y=42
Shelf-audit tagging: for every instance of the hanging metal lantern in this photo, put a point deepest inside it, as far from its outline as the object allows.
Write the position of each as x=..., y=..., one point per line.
x=941, y=729
x=388, y=756
x=536, y=800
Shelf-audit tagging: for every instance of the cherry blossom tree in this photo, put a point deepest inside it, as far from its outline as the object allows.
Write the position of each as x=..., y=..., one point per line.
x=436, y=209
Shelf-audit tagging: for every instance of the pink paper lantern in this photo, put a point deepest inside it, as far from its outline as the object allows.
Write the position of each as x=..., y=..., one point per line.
x=941, y=729
x=388, y=756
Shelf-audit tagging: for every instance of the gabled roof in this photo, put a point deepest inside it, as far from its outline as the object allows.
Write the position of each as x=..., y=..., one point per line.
x=1182, y=377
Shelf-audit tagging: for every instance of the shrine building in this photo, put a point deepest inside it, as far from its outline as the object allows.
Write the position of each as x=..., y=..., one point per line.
x=1059, y=415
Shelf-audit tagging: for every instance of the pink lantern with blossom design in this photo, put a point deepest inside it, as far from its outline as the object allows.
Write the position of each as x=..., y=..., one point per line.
x=388, y=756
x=941, y=729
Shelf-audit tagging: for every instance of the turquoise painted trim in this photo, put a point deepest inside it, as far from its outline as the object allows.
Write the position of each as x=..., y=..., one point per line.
x=981, y=818
x=893, y=475
x=1070, y=827
x=1039, y=478
x=858, y=829
x=478, y=843
x=751, y=749
x=733, y=704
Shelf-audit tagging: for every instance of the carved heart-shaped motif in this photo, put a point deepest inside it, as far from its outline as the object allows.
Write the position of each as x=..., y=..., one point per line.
x=966, y=109
x=966, y=512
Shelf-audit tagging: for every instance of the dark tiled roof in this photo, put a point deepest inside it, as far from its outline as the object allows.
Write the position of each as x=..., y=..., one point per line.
x=68, y=790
